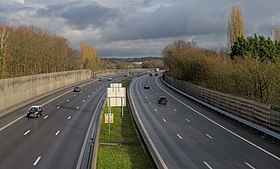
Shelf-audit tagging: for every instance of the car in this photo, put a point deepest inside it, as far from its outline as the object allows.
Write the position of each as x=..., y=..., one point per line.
x=76, y=89
x=146, y=87
x=162, y=100
x=109, y=79
x=156, y=74
x=34, y=111
x=101, y=79
x=151, y=74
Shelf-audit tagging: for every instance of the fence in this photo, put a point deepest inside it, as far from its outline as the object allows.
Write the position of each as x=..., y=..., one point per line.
x=263, y=117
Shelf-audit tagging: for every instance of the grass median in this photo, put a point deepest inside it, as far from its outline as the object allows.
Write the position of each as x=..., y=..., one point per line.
x=121, y=147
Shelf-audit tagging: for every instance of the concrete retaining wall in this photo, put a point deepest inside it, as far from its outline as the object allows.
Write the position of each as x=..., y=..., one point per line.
x=16, y=90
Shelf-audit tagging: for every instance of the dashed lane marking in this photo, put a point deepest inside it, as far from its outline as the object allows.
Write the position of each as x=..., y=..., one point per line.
x=37, y=160
x=26, y=132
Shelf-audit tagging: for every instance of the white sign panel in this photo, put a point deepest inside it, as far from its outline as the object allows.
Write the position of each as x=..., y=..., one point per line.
x=116, y=96
x=116, y=92
x=115, y=85
x=118, y=101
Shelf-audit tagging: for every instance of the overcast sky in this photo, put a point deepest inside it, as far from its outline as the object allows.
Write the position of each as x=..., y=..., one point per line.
x=129, y=28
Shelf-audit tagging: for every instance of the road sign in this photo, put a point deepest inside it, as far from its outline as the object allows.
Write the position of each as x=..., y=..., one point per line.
x=109, y=118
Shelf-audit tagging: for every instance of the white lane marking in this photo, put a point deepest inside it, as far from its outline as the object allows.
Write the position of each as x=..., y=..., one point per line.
x=150, y=103
x=12, y=123
x=209, y=136
x=57, y=132
x=92, y=92
x=37, y=160
x=84, y=101
x=26, y=132
x=188, y=120
x=179, y=136
x=146, y=97
x=58, y=107
x=155, y=109
x=164, y=120
x=164, y=166
x=74, y=95
x=77, y=107
x=69, y=117
x=88, y=96
x=249, y=165
x=46, y=116
x=67, y=100
x=219, y=125
x=207, y=165
x=174, y=109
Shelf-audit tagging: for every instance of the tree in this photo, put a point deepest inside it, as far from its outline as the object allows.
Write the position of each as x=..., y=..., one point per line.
x=4, y=34
x=235, y=25
x=90, y=57
x=277, y=34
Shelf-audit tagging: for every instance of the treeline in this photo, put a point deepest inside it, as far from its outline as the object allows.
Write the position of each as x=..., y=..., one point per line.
x=254, y=75
x=29, y=50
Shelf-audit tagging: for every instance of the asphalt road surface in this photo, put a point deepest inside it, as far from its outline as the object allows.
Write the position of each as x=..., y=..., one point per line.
x=190, y=136
x=54, y=140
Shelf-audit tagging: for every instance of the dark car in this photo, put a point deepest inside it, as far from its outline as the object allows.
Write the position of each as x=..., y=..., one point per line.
x=76, y=89
x=101, y=79
x=34, y=111
x=162, y=100
x=151, y=74
x=146, y=87
x=156, y=74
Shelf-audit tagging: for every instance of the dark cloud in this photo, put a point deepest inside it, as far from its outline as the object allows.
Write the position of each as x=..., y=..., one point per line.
x=165, y=22
x=84, y=16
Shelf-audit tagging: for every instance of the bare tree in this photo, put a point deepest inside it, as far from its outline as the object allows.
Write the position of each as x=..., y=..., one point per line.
x=4, y=34
x=277, y=34
x=235, y=27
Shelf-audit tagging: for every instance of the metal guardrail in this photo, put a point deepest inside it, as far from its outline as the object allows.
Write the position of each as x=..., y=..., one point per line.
x=264, y=118
x=89, y=151
x=148, y=141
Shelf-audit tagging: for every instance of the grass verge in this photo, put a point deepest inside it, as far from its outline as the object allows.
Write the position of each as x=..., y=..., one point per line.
x=121, y=148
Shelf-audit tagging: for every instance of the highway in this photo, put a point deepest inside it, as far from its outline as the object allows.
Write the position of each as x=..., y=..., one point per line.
x=54, y=140
x=189, y=136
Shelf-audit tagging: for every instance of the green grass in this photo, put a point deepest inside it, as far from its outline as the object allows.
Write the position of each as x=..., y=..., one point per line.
x=129, y=154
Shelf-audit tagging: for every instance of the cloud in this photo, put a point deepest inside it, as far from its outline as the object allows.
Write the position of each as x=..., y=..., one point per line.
x=139, y=27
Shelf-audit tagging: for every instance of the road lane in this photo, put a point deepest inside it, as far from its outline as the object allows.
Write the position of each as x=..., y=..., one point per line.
x=55, y=139
x=186, y=139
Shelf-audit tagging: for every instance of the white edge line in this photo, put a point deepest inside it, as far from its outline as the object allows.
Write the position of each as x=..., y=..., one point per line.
x=69, y=117
x=37, y=160
x=188, y=120
x=164, y=120
x=240, y=137
x=46, y=116
x=12, y=122
x=249, y=165
x=87, y=134
x=148, y=136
